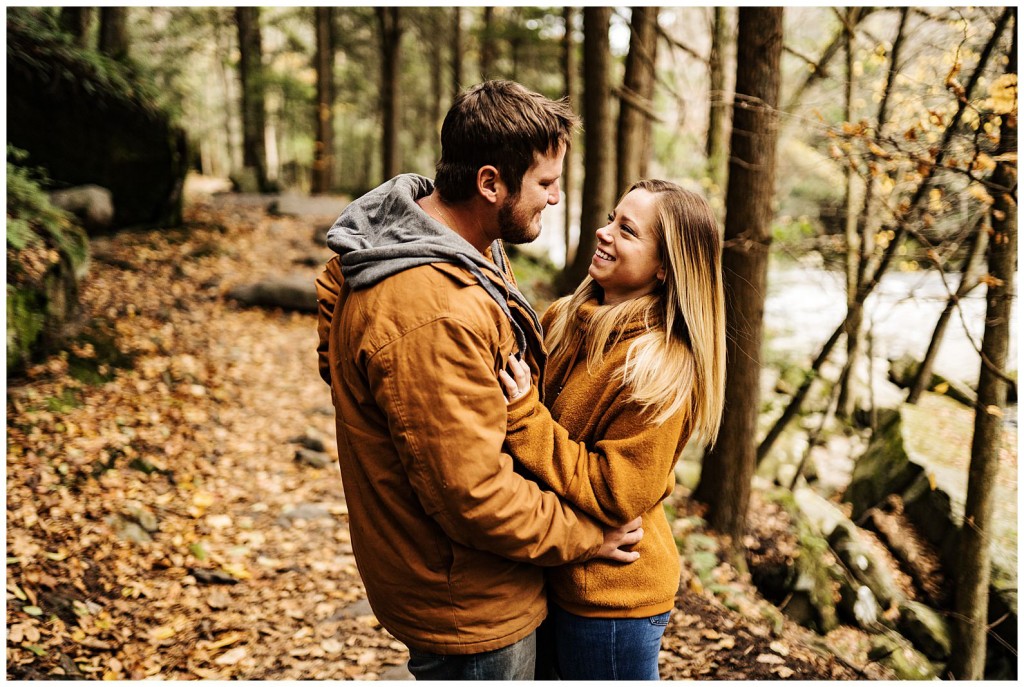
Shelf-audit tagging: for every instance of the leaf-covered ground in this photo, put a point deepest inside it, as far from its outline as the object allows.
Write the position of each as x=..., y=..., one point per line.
x=158, y=521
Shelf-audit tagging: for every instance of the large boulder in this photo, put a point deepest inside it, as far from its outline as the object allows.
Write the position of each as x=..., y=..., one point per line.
x=88, y=119
x=884, y=468
x=93, y=205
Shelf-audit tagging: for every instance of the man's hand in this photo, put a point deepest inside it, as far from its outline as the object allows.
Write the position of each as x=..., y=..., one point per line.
x=627, y=535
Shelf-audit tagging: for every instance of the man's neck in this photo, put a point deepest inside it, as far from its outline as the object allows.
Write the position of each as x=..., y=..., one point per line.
x=462, y=218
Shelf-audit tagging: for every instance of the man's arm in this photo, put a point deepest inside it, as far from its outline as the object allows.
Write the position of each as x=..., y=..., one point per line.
x=447, y=417
x=328, y=290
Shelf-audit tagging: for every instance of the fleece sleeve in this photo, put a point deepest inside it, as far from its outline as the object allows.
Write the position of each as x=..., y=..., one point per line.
x=447, y=418
x=619, y=477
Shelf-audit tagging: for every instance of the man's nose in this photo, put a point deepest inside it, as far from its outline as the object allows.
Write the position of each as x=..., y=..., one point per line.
x=554, y=194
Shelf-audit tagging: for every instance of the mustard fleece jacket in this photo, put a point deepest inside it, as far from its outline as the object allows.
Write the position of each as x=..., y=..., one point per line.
x=596, y=449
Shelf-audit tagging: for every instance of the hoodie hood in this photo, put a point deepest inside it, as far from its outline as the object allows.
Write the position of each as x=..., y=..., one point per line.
x=385, y=232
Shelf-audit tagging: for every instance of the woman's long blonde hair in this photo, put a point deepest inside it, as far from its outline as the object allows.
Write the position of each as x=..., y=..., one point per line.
x=685, y=361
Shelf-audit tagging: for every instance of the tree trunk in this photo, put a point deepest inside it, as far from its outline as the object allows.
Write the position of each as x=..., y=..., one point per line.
x=487, y=47
x=638, y=88
x=77, y=21
x=250, y=72
x=899, y=229
x=598, y=174
x=457, y=51
x=729, y=465
x=847, y=380
x=389, y=19
x=323, y=158
x=718, y=111
x=570, y=69
x=114, y=32
x=968, y=281
x=971, y=603
x=436, y=53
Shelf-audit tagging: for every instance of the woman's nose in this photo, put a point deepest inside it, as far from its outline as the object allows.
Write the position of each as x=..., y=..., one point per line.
x=603, y=234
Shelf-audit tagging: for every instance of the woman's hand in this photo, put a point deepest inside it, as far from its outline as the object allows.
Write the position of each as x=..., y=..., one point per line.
x=518, y=383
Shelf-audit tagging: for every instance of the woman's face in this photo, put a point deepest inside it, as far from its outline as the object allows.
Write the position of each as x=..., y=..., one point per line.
x=626, y=263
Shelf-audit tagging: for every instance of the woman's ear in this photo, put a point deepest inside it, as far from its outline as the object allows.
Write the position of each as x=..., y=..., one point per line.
x=489, y=184
x=662, y=273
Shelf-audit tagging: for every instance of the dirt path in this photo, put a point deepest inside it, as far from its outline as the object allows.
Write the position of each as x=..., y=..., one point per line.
x=159, y=525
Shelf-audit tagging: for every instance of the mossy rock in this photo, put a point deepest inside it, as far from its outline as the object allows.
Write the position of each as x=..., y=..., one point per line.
x=884, y=468
x=899, y=655
x=926, y=629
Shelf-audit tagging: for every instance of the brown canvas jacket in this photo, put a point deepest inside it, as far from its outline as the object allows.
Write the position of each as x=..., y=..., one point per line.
x=447, y=535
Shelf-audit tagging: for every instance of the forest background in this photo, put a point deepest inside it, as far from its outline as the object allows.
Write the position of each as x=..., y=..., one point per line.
x=863, y=164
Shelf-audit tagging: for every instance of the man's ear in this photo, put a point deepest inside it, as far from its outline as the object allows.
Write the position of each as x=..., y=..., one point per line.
x=489, y=184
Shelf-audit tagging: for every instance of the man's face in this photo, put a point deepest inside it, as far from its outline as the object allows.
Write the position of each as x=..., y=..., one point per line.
x=519, y=215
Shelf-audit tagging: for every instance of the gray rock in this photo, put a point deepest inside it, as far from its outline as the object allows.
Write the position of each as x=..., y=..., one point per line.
x=306, y=511
x=92, y=204
x=864, y=564
x=926, y=629
x=144, y=517
x=294, y=292
x=316, y=459
x=128, y=529
x=356, y=609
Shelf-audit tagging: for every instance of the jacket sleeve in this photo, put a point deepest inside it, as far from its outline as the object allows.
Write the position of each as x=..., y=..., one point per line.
x=447, y=417
x=618, y=478
x=328, y=290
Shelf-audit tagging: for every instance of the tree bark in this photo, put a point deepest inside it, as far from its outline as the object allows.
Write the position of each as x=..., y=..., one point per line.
x=323, y=158
x=77, y=21
x=634, y=124
x=114, y=32
x=250, y=72
x=729, y=465
x=487, y=47
x=389, y=19
x=847, y=380
x=971, y=602
x=718, y=109
x=598, y=175
x=570, y=74
x=457, y=51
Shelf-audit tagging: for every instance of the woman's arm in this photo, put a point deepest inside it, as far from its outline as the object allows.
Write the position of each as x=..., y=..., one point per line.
x=618, y=478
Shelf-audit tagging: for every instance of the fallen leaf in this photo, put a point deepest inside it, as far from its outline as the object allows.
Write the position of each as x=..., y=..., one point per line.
x=332, y=646
x=710, y=634
x=367, y=657
x=769, y=658
x=779, y=648
x=162, y=632
x=231, y=657
x=783, y=672
x=32, y=610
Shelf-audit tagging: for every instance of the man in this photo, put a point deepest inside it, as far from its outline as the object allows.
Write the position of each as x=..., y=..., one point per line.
x=418, y=314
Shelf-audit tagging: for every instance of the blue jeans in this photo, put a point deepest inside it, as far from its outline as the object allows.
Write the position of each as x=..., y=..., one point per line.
x=608, y=648
x=514, y=662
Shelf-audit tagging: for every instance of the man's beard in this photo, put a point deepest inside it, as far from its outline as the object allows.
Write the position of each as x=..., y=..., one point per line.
x=514, y=226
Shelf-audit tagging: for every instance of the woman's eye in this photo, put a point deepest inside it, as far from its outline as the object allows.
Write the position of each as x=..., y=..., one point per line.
x=628, y=229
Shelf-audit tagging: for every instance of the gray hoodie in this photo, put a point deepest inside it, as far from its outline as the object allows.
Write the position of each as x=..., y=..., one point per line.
x=385, y=232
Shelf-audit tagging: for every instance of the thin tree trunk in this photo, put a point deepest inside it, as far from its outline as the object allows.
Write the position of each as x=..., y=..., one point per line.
x=77, y=21
x=250, y=71
x=729, y=465
x=457, y=50
x=718, y=109
x=114, y=32
x=570, y=69
x=436, y=80
x=598, y=173
x=899, y=229
x=487, y=48
x=967, y=661
x=323, y=158
x=638, y=86
x=389, y=19
x=968, y=281
x=847, y=393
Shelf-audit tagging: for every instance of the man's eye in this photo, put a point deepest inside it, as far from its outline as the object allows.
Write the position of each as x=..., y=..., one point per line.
x=611, y=217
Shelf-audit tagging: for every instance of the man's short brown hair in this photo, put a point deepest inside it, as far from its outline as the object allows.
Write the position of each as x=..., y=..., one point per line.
x=498, y=123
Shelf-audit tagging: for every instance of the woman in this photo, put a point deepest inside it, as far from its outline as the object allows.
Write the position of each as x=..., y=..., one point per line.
x=636, y=368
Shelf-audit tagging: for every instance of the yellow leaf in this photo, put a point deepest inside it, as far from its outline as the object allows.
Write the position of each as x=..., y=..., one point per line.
x=236, y=570
x=1003, y=94
x=994, y=411
x=941, y=387
x=203, y=499
x=162, y=632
